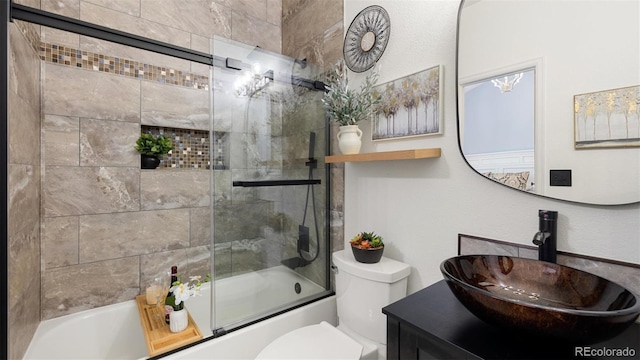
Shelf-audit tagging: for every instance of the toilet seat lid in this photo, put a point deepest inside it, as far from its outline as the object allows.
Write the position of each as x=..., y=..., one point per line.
x=319, y=341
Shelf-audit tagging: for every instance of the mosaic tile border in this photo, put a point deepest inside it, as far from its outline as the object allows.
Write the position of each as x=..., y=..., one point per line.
x=68, y=56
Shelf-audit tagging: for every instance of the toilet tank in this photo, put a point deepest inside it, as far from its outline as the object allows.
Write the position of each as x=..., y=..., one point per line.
x=362, y=290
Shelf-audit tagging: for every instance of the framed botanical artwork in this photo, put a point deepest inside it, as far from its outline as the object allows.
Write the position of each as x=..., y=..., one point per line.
x=607, y=119
x=409, y=106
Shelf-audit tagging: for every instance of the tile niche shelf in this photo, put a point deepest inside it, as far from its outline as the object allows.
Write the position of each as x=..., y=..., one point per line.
x=386, y=155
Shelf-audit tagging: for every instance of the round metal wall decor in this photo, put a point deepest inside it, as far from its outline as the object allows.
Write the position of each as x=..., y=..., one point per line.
x=366, y=38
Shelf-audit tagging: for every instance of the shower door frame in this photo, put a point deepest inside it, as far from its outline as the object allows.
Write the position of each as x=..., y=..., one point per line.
x=9, y=12
x=5, y=7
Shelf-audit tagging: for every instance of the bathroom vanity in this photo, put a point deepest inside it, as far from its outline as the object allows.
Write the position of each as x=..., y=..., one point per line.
x=433, y=324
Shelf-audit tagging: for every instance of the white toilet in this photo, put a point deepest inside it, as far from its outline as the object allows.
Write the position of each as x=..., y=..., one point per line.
x=362, y=290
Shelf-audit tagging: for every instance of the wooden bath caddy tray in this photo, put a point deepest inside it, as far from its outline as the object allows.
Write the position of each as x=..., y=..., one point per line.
x=159, y=337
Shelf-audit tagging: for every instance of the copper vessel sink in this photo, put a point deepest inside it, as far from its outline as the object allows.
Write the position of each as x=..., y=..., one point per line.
x=540, y=298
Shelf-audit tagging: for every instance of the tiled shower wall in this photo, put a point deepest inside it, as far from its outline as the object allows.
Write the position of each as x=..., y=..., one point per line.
x=24, y=188
x=108, y=226
x=189, y=24
x=109, y=199
x=314, y=30
x=88, y=132
x=101, y=213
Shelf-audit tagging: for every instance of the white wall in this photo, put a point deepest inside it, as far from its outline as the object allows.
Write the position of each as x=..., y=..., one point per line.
x=420, y=206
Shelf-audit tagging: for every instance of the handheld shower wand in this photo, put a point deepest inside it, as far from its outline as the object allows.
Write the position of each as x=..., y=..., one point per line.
x=303, y=231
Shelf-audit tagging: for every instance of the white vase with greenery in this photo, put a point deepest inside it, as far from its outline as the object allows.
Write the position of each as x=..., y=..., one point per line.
x=348, y=106
x=349, y=139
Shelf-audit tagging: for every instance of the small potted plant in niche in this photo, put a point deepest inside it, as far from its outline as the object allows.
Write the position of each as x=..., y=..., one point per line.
x=151, y=148
x=348, y=106
x=367, y=247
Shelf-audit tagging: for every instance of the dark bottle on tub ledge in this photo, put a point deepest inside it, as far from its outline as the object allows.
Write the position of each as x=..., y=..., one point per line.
x=170, y=300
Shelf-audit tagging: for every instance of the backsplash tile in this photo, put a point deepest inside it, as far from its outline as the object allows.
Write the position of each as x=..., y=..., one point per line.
x=628, y=276
x=475, y=246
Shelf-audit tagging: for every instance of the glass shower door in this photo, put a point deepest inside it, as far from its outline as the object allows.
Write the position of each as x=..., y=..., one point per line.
x=269, y=185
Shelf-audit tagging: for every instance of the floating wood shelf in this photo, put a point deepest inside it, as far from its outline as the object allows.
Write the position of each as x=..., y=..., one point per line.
x=159, y=337
x=386, y=155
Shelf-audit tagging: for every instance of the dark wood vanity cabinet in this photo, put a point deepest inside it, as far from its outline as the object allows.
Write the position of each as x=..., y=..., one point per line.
x=432, y=324
x=406, y=342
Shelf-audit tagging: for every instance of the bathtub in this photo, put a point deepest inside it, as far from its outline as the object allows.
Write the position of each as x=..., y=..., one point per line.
x=114, y=331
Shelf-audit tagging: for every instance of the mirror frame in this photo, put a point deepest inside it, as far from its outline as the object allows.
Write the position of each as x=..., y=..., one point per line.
x=458, y=126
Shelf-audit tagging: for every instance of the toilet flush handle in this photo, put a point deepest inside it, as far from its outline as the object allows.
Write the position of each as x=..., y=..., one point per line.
x=334, y=269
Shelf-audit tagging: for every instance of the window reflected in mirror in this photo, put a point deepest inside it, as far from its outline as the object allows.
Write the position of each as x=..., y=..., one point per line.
x=499, y=112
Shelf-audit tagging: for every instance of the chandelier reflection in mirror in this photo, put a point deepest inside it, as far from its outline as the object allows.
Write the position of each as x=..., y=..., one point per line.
x=507, y=83
x=251, y=82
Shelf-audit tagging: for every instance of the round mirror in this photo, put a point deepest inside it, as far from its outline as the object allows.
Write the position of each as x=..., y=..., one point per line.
x=549, y=96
